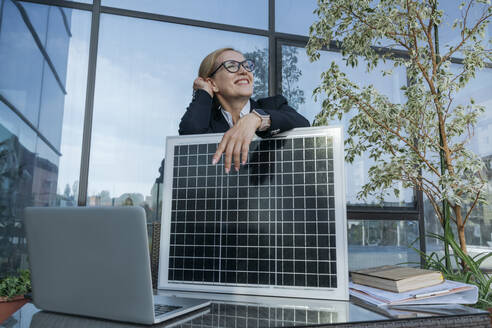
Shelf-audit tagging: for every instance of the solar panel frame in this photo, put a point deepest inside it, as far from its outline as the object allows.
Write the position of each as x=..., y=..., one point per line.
x=340, y=292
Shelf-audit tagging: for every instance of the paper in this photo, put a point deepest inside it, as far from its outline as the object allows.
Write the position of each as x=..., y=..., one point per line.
x=449, y=292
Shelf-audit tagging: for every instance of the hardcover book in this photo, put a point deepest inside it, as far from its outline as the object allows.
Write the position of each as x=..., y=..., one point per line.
x=396, y=278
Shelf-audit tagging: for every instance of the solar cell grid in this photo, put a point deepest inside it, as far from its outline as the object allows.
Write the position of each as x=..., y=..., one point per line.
x=264, y=225
x=248, y=315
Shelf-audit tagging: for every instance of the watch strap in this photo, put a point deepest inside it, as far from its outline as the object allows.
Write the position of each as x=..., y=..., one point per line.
x=264, y=117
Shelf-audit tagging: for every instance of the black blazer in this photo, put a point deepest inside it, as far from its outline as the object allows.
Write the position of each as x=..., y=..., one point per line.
x=203, y=117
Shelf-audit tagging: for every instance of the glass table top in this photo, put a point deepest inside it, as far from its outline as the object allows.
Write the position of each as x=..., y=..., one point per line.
x=252, y=311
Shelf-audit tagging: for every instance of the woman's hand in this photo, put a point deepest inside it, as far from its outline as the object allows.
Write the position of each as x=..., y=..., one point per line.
x=235, y=142
x=201, y=83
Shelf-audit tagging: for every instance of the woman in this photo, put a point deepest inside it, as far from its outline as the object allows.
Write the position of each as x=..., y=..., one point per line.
x=221, y=103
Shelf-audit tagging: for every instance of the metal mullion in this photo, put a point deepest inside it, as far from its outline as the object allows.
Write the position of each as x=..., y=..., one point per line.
x=278, y=66
x=292, y=38
x=422, y=241
x=334, y=46
x=273, y=54
x=182, y=21
x=461, y=61
x=89, y=105
x=383, y=215
x=62, y=3
x=1, y=15
x=375, y=208
x=301, y=41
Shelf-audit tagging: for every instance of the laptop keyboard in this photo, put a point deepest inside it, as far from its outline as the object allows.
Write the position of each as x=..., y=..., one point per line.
x=161, y=309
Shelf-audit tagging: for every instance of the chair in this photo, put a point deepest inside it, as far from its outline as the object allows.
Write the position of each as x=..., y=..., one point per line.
x=154, y=252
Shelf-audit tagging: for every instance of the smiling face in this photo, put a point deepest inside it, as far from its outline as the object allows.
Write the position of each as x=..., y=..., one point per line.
x=232, y=85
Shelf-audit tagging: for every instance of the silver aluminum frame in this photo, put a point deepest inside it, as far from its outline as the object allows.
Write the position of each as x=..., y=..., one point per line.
x=339, y=293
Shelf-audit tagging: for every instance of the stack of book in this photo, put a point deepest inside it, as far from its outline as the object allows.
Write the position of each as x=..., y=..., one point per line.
x=395, y=285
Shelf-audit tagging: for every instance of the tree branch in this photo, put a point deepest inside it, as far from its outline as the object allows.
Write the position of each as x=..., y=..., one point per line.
x=384, y=126
x=465, y=38
x=472, y=207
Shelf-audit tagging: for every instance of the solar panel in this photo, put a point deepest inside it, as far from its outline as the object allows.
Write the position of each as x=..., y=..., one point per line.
x=273, y=228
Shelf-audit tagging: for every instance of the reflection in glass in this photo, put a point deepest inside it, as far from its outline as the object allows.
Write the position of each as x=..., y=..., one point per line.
x=449, y=36
x=143, y=87
x=51, y=108
x=17, y=160
x=253, y=14
x=47, y=96
x=381, y=242
x=58, y=39
x=478, y=229
x=277, y=312
x=300, y=77
x=21, y=63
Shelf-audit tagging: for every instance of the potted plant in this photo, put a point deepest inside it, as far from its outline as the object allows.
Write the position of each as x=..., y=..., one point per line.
x=422, y=142
x=12, y=291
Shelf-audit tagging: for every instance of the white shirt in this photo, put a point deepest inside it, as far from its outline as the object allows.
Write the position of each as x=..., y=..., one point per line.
x=228, y=116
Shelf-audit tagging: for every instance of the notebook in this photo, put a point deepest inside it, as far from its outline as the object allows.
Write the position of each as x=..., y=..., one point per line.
x=95, y=262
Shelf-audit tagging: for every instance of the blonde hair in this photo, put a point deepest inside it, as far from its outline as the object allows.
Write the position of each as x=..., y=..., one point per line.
x=208, y=63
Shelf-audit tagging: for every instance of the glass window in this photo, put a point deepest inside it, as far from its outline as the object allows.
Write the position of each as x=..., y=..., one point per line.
x=18, y=147
x=21, y=62
x=381, y=242
x=52, y=27
x=51, y=109
x=58, y=39
x=37, y=15
x=45, y=175
x=449, y=36
x=479, y=226
x=300, y=77
x=303, y=11
x=253, y=14
x=143, y=87
x=73, y=108
x=294, y=17
x=31, y=171
x=478, y=229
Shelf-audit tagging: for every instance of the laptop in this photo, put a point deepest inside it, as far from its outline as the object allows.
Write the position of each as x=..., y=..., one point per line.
x=95, y=262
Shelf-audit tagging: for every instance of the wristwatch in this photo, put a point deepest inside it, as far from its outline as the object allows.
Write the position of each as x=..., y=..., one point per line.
x=264, y=117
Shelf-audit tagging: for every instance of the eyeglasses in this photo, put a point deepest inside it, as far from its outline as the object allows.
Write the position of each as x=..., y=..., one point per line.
x=232, y=66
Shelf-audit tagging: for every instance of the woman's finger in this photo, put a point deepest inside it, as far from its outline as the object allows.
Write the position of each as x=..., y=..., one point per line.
x=228, y=155
x=245, y=150
x=237, y=154
x=220, y=149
